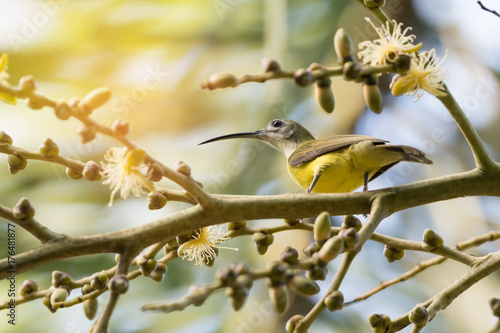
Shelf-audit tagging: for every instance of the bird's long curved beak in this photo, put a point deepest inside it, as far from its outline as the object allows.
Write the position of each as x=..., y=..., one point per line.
x=243, y=135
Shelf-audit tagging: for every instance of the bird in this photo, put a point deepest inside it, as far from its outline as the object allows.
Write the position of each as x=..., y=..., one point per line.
x=336, y=164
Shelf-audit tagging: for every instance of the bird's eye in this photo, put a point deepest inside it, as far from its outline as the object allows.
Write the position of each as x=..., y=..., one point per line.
x=277, y=123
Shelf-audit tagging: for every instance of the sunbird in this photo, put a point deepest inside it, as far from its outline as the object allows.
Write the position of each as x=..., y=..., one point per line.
x=340, y=163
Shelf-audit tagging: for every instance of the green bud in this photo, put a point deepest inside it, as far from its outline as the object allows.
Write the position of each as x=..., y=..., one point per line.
x=325, y=98
x=147, y=266
x=317, y=272
x=331, y=249
x=303, y=285
x=419, y=316
x=343, y=46
x=225, y=276
x=156, y=200
x=46, y=302
x=48, y=148
x=277, y=295
x=62, y=110
x=90, y=307
x=23, y=209
x=322, y=227
x=495, y=306
x=303, y=78
x=293, y=322
x=33, y=103
x=58, y=295
x=237, y=297
x=16, y=163
x=244, y=281
x=94, y=99
x=380, y=323
x=61, y=279
x=220, y=80
x=289, y=255
x=372, y=95
x=349, y=236
x=312, y=248
x=183, y=168
x=392, y=254
x=158, y=274
x=5, y=138
x=432, y=240
x=334, y=301
x=28, y=287
x=120, y=127
x=277, y=271
x=98, y=280
x=73, y=174
x=119, y=284
x=262, y=241
x=239, y=268
x=351, y=71
x=270, y=65
x=87, y=289
x=351, y=221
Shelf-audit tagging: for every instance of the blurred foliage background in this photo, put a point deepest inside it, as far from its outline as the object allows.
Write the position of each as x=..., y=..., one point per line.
x=154, y=54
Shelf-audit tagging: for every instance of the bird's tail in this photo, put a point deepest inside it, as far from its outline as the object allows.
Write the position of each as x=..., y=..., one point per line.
x=408, y=153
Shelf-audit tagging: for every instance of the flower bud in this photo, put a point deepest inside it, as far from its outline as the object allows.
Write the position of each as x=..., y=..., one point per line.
x=120, y=127
x=23, y=209
x=380, y=323
x=221, y=80
x=16, y=163
x=270, y=65
x=33, y=103
x=495, y=306
x=343, y=46
x=5, y=138
x=28, y=287
x=331, y=249
x=27, y=83
x=374, y=3
x=94, y=99
x=277, y=272
x=90, y=307
x=98, y=280
x=324, y=96
x=322, y=227
x=432, y=240
x=160, y=271
x=92, y=171
x=156, y=200
x=183, y=168
x=351, y=221
x=349, y=236
x=419, y=316
x=372, y=94
x=155, y=173
x=244, y=281
x=119, y=284
x=146, y=265
x=61, y=279
x=237, y=297
x=46, y=302
x=62, y=110
x=225, y=276
x=87, y=134
x=317, y=272
x=392, y=254
x=303, y=285
x=48, y=148
x=351, y=71
x=86, y=289
x=334, y=301
x=262, y=241
x=293, y=322
x=58, y=295
x=303, y=78
x=73, y=174
x=73, y=102
x=312, y=248
x=289, y=255
x=277, y=295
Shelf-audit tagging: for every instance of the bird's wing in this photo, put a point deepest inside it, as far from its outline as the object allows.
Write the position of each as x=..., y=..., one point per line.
x=312, y=150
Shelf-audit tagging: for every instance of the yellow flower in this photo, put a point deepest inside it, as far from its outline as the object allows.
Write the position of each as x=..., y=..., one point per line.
x=425, y=73
x=125, y=170
x=384, y=50
x=201, y=247
x=4, y=76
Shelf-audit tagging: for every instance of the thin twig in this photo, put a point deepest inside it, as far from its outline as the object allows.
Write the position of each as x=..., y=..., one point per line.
x=483, y=7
